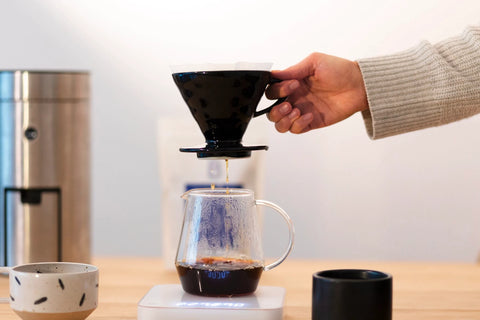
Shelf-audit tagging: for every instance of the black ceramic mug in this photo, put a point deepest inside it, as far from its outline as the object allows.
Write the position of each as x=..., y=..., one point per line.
x=352, y=294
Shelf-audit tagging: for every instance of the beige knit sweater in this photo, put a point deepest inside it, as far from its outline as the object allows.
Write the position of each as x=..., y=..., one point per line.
x=426, y=86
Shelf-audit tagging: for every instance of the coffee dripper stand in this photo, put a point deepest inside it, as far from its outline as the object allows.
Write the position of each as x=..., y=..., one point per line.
x=170, y=301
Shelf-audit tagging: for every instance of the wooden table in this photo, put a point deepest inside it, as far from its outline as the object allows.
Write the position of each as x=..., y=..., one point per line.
x=422, y=291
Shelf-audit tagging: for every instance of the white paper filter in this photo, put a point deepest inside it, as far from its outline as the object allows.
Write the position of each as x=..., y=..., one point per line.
x=260, y=66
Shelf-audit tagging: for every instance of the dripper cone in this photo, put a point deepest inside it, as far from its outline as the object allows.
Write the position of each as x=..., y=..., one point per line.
x=223, y=103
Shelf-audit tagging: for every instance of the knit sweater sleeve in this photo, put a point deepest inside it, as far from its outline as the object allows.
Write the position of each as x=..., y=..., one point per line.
x=428, y=85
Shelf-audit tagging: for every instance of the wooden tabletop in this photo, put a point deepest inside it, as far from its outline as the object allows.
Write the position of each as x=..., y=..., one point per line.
x=421, y=291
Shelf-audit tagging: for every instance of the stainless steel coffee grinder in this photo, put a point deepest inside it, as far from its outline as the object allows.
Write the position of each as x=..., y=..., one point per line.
x=44, y=167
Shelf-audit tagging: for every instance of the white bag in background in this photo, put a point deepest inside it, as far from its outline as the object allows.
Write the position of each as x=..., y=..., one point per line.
x=181, y=171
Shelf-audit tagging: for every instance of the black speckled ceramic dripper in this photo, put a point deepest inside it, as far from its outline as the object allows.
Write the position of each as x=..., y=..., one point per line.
x=223, y=103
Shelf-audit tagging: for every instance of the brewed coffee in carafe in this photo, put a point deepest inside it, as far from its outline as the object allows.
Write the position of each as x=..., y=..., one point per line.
x=220, y=250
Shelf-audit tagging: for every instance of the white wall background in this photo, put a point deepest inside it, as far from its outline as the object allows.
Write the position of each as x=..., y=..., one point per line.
x=409, y=197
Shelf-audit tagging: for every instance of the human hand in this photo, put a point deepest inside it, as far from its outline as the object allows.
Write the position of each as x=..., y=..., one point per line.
x=321, y=90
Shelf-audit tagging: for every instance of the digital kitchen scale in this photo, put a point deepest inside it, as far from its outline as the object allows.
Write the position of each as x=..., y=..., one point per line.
x=171, y=302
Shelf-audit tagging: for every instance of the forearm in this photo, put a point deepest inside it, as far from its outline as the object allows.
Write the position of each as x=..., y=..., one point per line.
x=426, y=86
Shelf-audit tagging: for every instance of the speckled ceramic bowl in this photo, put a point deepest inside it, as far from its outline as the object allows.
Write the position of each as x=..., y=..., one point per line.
x=53, y=290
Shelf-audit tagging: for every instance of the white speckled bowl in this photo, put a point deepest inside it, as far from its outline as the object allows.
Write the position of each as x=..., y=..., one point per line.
x=53, y=290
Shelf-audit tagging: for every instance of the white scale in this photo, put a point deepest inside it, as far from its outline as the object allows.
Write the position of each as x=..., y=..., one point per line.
x=170, y=302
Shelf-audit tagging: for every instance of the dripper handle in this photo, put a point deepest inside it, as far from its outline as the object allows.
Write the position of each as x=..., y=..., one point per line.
x=291, y=232
x=267, y=110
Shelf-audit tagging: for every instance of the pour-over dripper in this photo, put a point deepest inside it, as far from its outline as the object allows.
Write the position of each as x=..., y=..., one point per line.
x=223, y=102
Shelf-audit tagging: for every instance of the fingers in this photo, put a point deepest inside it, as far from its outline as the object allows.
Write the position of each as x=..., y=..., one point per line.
x=302, y=124
x=282, y=89
x=290, y=119
x=284, y=124
x=279, y=112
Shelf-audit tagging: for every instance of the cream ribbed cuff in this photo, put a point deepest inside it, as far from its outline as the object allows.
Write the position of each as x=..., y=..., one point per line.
x=428, y=85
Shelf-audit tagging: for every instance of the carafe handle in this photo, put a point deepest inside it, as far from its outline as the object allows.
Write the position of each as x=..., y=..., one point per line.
x=291, y=232
x=267, y=110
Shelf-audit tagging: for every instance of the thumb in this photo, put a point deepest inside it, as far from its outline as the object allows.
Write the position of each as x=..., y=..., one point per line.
x=298, y=71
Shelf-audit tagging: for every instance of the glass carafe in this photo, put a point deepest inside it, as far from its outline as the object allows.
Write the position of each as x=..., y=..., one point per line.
x=220, y=250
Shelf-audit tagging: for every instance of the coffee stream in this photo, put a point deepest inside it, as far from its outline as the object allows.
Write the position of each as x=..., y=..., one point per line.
x=226, y=170
x=212, y=185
